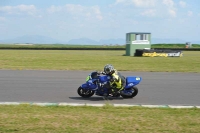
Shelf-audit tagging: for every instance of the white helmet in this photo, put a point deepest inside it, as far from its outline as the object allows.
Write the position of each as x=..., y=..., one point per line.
x=108, y=69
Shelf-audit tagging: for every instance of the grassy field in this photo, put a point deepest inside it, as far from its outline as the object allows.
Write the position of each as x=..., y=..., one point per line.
x=95, y=60
x=107, y=119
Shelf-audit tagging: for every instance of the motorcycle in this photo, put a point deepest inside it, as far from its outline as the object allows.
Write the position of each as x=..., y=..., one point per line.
x=99, y=85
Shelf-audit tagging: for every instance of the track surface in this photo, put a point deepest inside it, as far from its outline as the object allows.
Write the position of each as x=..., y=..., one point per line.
x=156, y=88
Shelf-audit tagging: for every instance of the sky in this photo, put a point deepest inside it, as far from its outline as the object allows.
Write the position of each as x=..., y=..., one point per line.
x=100, y=19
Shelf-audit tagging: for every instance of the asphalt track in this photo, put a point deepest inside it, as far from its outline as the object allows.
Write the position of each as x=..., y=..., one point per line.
x=156, y=88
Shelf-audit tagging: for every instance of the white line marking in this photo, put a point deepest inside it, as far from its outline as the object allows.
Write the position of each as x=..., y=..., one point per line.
x=96, y=105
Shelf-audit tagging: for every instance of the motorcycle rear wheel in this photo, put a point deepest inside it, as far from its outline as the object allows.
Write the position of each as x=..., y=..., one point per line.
x=85, y=93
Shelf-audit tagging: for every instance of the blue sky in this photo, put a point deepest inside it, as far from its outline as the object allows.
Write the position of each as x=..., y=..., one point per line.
x=100, y=19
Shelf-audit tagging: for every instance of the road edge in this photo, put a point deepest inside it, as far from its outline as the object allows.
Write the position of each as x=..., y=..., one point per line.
x=97, y=105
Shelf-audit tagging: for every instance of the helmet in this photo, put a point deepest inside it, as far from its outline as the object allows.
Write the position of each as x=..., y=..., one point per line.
x=108, y=69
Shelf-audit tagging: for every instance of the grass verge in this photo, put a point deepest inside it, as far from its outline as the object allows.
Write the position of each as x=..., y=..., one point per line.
x=95, y=60
x=107, y=119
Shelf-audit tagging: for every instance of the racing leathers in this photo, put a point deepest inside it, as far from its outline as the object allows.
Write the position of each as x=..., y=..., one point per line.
x=116, y=81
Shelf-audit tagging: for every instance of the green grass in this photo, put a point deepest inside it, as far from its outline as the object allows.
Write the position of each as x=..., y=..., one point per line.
x=95, y=60
x=107, y=119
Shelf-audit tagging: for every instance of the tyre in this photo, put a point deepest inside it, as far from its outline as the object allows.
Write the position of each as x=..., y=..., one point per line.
x=135, y=92
x=85, y=93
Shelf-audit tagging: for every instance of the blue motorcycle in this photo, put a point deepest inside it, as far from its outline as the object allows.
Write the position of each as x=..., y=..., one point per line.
x=99, y=85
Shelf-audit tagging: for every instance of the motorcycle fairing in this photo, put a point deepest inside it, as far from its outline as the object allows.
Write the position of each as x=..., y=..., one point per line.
x=89, y=85
x=132, y=81
x=104, y=78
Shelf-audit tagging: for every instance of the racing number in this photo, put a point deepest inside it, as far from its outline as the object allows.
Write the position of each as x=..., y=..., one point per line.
x=137, y=78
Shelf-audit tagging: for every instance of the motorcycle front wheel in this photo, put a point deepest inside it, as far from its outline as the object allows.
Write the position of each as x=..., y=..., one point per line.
x=85, y=93
x=135, y=92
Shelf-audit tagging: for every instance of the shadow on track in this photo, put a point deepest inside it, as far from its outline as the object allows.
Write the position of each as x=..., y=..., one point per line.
x=96, y=98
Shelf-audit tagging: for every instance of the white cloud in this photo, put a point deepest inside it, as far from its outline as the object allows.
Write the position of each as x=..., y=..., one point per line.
x=189, y=13
x=26, y=8
x=70, y=8
x=89, y=12
x=182, y=4
x=170, y=7
x=172, y=12
x=29, y=9
x=97, y=12
x=144, y=3
x=74, y=8
x=138, y=3
x=120, y=1
x=7, y=9
x=77, y=11
x=150, y=12
x=169, y=3
x=54, y=9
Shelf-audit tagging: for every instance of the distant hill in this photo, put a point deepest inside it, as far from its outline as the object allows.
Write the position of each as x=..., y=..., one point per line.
x=85, y=41
x=93, y=42
x=112, y=41
x=37, y=39
x=159, y=40
x=121, y=41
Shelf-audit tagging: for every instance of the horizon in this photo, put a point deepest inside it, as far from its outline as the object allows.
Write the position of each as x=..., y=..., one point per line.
x=87, y=41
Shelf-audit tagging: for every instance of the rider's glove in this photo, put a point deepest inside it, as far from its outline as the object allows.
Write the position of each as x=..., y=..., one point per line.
x=103, y=73
x=98, y=72
x=112, y=79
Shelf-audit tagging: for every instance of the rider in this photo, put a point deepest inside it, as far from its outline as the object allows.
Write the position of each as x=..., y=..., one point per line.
x=117, y=81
